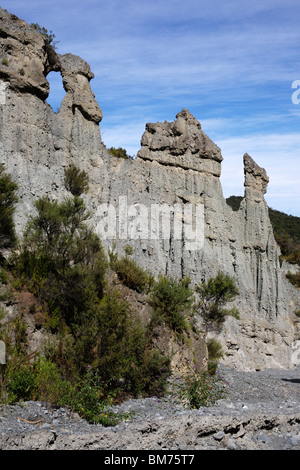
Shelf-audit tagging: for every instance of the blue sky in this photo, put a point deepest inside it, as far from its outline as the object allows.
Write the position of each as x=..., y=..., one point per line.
x=231, y=63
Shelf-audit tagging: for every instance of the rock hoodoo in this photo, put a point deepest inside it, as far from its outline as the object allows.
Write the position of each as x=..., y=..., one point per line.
x=256, y=179
x=177, y=168
x=181, y=143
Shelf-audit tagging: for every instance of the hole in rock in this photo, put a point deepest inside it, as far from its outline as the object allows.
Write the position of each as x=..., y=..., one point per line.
x=57, y=91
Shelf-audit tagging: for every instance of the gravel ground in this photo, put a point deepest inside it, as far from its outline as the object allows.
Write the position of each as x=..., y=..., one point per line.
x=260, y=411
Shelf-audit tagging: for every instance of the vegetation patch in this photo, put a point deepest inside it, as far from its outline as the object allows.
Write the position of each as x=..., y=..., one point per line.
x=198, y=388
x=130, y=272
x=76, y=180
x=120, y=153
x=48, y=36
x=294, y=278
x=171, y=301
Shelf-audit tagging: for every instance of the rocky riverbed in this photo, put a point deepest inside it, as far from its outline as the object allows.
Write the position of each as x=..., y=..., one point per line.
x=260, y=411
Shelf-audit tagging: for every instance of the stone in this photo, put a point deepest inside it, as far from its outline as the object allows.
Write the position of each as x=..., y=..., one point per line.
x=294, y=440
x=232, y=444
x=218, y=436
x=263, y=438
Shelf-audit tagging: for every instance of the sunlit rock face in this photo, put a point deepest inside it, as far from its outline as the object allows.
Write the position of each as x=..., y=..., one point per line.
x=167, y=203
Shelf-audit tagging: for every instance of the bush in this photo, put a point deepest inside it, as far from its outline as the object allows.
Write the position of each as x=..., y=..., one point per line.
x=124, y=360
x=42, y=381
x=156, y=371
x=50, y=386
x=121, y=341
x=76, y=181
x=171, y=302
x=49, y=37
x=22, y=384
x=198, y=388
x=294, y=278
x=62, y=262
x=119, y=153
x=132, y=275
x=3, y=276
x=215, y=353
x=91, y=401
x=213, y=296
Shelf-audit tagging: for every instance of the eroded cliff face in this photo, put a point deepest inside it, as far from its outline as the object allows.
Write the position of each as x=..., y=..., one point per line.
x=174, y=181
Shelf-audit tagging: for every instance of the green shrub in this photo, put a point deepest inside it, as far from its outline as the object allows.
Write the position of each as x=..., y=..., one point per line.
x=198, y=388
x=171, y=302
x=91, y=401
x=129, y=250
x=121, y=339
x=76, y=181
x=50, y=386
x=215, y=353
x=156, y=371
x=41, y=381
x=119, y=153
x=213, y=296
x=125, y=361
x=5, y=62
x=63, y=264
x=294, y=278
x=3, y=276
x=132, y=275
x=18, y=368
x=49, y=37
x=21, y=385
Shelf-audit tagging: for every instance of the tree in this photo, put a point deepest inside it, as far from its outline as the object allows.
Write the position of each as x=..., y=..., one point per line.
x=213, y=296
x=8, y=199
x=61, y=258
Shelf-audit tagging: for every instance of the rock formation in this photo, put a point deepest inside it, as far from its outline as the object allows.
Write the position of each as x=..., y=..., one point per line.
x=177, y=171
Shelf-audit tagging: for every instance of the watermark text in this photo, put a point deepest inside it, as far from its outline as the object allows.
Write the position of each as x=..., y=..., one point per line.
x=154, y=222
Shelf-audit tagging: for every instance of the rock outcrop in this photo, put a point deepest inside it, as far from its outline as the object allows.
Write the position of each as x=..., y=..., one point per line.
x=167, y=203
